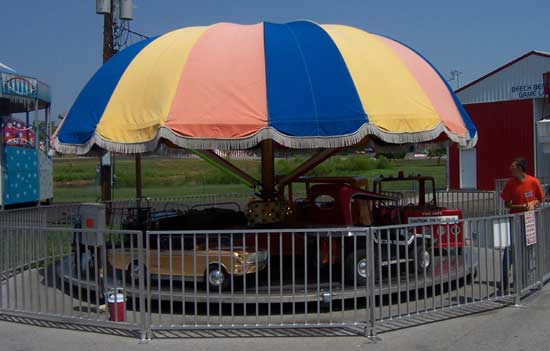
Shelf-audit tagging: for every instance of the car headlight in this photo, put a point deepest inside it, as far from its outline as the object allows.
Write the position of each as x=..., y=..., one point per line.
x=254, y=257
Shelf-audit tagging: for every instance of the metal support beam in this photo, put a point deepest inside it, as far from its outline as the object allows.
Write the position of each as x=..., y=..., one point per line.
x=138, y=178
x=268, y=169
x=307, y=166
x=105, y=177
x=223, y=164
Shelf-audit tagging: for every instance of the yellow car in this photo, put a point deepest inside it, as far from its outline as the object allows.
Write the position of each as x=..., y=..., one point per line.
x=214, y=265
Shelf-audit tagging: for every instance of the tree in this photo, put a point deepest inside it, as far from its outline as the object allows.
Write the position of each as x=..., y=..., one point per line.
x=439, y=153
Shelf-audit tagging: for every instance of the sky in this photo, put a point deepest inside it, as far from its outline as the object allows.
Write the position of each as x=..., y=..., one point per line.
x=60, y=41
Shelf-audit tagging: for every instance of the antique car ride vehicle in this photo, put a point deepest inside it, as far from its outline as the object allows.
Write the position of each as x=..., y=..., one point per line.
x=212, y=266
x=421, y=209
x=209, y=259
x=343, y=203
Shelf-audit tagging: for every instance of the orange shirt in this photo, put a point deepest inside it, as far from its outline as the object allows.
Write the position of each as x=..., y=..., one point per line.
x=522, y=192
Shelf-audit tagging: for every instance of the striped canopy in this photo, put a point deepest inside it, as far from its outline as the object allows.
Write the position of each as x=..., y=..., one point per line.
x=230, y=86
x=6, y=69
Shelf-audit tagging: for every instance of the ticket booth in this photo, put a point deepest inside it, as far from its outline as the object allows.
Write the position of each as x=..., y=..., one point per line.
x=26, y=166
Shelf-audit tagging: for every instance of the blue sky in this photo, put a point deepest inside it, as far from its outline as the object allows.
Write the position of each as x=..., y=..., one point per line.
x=60, y=41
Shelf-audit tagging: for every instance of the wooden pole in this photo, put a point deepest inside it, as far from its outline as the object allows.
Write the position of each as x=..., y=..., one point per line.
x=108, y=39
x=105, y=160
x=268, y=170
x=307, y=166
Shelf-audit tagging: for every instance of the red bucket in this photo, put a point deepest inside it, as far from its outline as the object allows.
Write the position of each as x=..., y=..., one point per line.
x=117, y=305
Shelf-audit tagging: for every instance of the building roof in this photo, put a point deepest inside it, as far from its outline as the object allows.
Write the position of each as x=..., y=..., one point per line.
x=4, y=68
x=518, y=79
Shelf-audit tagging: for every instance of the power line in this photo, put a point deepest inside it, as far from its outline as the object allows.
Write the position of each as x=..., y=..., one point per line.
x=143, y=36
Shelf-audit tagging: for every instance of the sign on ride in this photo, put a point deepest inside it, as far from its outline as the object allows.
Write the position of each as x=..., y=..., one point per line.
x=530, y=228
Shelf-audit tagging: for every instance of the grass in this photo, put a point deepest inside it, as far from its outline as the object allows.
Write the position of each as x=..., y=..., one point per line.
x=75, y=179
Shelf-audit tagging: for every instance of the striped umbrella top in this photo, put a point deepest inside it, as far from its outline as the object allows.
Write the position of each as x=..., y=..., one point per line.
x=230, y=86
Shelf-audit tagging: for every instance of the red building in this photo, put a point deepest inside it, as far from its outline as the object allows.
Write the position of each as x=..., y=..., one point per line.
x=505, y=105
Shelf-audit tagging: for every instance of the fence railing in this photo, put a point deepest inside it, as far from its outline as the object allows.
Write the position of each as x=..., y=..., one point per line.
x=472, y=203
x=119, y=210
x=355, y=277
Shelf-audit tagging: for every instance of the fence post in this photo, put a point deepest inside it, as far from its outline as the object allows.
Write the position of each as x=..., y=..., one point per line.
x=370, y=330
x=147, y=289
x=540, y=249
x=518, y=260
x=144, y=325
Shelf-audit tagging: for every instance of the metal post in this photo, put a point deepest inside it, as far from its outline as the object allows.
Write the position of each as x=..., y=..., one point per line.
x=448, y=166
x=36, y=142
x=148, y=331
x=27, y=124
x=47, y=130
x=2, y=167
x=268, y=169
x=371, y=329
x=37, y=122
x=539, y=252
x=144, y=322
x=516, y=242
x=138, y=178
x=105, y=177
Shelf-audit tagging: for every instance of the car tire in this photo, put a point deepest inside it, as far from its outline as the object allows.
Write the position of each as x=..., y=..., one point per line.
x=214, y=274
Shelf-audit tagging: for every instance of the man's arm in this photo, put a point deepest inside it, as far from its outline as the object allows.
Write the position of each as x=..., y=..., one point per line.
x=523, y=207
x=538, y=194
x=538, y=191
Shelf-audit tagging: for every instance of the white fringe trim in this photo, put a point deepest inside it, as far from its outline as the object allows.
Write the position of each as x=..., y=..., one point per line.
x=263, y=134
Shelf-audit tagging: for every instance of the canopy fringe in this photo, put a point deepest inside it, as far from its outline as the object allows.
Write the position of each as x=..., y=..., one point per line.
x=253, y=140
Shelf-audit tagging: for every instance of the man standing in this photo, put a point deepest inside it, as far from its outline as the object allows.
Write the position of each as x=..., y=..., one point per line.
x=521, y=193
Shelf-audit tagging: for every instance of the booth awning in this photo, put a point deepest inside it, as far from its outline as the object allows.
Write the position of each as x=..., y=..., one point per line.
x=23, y=93
x=230, y=86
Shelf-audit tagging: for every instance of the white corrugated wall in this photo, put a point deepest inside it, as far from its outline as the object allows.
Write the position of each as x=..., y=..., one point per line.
x=521, y=80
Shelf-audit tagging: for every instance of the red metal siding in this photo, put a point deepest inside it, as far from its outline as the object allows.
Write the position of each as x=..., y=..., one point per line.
x=505, y=131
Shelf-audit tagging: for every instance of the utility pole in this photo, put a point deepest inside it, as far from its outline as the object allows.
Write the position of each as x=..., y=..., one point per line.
x=116, y=14
x=105, y=170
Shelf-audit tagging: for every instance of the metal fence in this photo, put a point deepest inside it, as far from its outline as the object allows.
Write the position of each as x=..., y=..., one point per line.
x=472, y=203
x=118, y=210
x=54, y=273
x=58, y=215
x=362, y=278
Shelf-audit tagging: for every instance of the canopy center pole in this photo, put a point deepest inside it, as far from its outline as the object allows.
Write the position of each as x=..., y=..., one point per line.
x=138, y=179
x=105, y=177
x=268, y=170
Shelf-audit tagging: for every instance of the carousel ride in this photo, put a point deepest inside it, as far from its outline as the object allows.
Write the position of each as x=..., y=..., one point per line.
x=296, y=85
